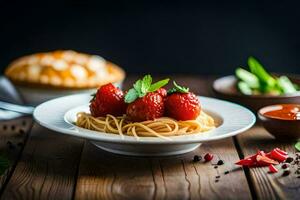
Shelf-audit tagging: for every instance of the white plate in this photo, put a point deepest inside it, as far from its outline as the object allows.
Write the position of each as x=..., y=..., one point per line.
x=59, y=115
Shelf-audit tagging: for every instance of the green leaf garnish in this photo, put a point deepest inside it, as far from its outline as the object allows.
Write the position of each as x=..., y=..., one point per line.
x=159, y=84
x=131, y=95
x=4, y=164
x=178, y=88
x=297, y=146
x=137, y=86
x=142, y=86
x=146, y=83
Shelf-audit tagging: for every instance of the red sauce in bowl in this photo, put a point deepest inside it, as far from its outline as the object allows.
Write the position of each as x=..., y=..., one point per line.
x=282, y=111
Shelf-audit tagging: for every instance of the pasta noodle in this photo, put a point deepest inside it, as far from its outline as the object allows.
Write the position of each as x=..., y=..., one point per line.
x=161, y=127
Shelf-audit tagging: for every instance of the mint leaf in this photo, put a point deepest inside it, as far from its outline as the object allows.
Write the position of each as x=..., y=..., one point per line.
x=137, y=86
x=159, y=84
x=146, y=83
x=142, y=86
x=131, y=95
x=297, y=146
x=181, y=88
x=178, y=88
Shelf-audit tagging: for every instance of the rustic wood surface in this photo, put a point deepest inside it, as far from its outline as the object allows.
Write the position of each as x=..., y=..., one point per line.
x=103, y=175
x=55, y=166
x=13, y=136
x=47, y=168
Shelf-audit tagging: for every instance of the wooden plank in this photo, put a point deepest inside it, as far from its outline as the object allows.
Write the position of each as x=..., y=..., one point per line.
x=13, y=135
x=269, y=186
x=104, y=175
x=47, y=168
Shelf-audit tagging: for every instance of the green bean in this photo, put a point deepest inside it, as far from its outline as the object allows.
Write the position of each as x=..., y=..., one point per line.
x=250, y=79
x=286, y=85
x=244, y=88
x=257, y=69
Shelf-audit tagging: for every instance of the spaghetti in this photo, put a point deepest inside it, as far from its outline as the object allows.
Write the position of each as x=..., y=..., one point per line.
x=161, y=127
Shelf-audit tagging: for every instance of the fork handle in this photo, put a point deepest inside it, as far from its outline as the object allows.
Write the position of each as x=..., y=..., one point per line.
x=16, y=108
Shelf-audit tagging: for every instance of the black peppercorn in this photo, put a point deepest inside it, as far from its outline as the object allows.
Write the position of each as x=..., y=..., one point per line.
x=197, y=158
x=220, y=162
x=289, y=160
x=286, y=172
x=285, y=166
x=226, y=172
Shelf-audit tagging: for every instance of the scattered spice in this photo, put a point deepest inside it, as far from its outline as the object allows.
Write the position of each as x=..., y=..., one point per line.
x=4, y=127
x=216, y=166
x=285, y=166
x=217, y=180
x=226, y=172
x=289, y=160
x=218, y=176
x=286, y=172
x=220, y=162
x=197, y=158
x=13, y=127
x=21, y=131
x=208, y=157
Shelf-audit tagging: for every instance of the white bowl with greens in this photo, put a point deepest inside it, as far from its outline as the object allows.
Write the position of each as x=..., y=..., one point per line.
x=257, y=87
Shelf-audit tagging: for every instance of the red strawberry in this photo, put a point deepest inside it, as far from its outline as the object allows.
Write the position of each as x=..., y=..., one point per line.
x=149, y=107
x=182, y=106
x=162, y=92
x=108, y=100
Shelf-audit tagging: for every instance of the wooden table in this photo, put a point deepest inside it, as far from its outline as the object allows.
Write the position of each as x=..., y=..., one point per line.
x=54, y=166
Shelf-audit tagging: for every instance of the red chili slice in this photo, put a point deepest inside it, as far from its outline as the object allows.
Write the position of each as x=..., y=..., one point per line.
x=272, y=169
x=281, y=151
x=264, y=161
x=268, y=155
x=262, y=153
x=246, y=162
x=278, y=156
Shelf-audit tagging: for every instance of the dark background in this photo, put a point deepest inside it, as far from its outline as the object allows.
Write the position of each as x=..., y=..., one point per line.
x=203, y=37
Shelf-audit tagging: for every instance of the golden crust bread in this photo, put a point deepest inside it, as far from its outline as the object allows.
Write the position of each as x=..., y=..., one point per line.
x=63, y=69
